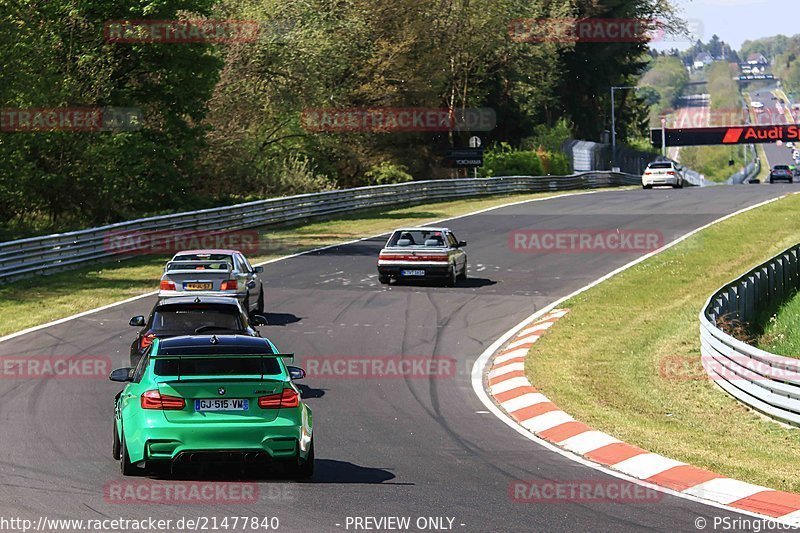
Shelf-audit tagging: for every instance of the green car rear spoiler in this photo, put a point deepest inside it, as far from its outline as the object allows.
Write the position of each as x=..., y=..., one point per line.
x=289, y=356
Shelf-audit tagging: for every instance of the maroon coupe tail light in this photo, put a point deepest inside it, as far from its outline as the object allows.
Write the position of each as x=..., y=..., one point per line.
x=441, y=258
x=287, y=398
x=153, y=399
x=146, y=341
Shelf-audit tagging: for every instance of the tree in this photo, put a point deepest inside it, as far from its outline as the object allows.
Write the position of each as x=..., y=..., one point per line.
x=55, y=56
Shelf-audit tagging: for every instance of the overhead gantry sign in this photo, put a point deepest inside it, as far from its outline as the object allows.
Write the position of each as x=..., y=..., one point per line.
x=726, y=135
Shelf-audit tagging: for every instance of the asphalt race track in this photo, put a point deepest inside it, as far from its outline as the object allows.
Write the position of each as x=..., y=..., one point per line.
x=776, y=155
x=409, y=446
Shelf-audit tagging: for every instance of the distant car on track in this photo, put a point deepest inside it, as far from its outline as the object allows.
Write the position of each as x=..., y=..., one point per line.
x=781, y=173
x=663, y=173
x=423, y=253
x=213, y=273
x=192, y=315
x=228, y=400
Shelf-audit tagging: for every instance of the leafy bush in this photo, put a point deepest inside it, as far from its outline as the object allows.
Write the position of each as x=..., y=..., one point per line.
x=502, y=160
x=293, y=175
x=555, y=163
x=386, y=173
x=550, y=138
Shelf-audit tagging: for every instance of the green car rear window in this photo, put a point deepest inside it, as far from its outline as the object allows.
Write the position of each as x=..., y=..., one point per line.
x=218, y=366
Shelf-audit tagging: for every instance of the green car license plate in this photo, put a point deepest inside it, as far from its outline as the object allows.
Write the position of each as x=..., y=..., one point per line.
x=221, y=404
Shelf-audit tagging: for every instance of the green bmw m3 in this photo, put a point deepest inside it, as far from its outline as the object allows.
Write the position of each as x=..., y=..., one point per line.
x=200, y=399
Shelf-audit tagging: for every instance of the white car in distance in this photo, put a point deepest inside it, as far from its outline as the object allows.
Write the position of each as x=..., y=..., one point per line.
x=663, y=173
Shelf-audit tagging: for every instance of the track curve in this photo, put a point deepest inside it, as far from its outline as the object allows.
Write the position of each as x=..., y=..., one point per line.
x=385, y=447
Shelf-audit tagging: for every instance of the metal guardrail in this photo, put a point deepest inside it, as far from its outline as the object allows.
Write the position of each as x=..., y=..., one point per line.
x=752, y=169
x=53, y=253
x=694, y=178
x=766, y=382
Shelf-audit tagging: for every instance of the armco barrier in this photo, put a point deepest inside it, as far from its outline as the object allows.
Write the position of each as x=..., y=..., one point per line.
x=764, y=381
x=52, y=253
x=752, y=169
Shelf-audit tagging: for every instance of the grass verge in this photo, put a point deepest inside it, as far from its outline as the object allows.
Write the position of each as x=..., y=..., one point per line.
x=713, y=161
x=38, y=300
x=782, y=333
x=763, y=174
x=611, y=362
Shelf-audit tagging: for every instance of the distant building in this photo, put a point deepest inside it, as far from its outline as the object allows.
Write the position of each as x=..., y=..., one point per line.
x=757, y=59
x=702, y=59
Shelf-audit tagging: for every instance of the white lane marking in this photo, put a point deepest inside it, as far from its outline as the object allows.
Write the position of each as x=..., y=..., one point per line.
x=509, y=384
x=298, y=254
x=526, y=400
x=510, y=355
x=546, y=421
x=646, y=465
x=506, y=369
x=724, y=490
x=523, y=429
x=522, y=342
x=585, y=442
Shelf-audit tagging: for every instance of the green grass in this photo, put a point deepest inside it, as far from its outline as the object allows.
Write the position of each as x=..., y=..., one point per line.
x=782, y=333
x=604, y=363
x=712, y=161
x=763, y=174
x=38, y=300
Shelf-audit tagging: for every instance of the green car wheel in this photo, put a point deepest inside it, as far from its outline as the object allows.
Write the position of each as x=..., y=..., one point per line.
x=125, y=466
x=305, y=469
x=116, y=445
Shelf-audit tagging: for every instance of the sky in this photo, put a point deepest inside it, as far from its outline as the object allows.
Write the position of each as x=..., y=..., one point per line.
x=736, y=21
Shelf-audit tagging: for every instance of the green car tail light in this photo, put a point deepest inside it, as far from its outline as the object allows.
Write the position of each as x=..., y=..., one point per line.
x=287, y=398
x=153, y=399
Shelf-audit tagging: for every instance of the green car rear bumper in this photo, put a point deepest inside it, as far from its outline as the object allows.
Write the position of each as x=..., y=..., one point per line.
x=154, y=439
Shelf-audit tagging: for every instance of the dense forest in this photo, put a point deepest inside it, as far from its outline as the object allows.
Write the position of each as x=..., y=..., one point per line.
x=214, y=121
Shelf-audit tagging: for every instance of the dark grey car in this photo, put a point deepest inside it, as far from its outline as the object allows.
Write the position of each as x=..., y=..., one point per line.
x=187, y=315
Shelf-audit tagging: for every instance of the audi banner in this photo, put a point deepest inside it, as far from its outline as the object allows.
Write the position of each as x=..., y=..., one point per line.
x=726, y=135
